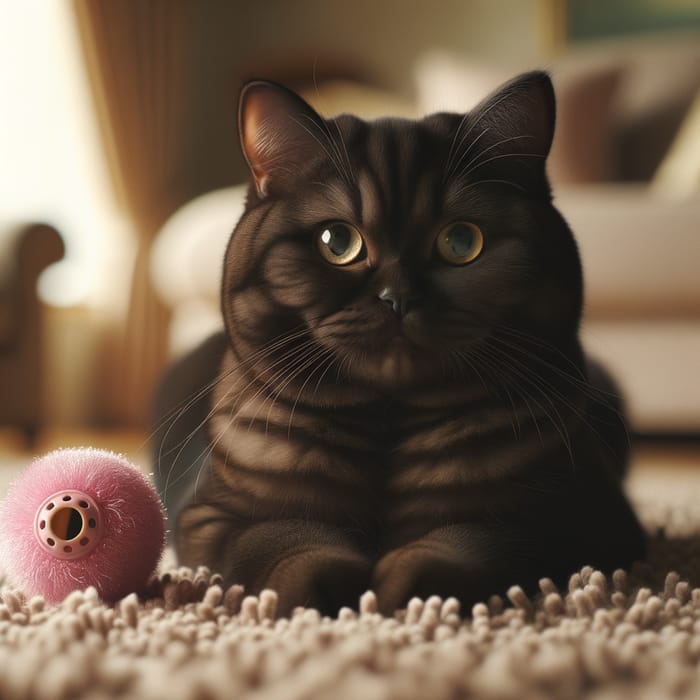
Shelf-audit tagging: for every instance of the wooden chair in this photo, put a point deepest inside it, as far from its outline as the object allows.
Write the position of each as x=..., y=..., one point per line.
x=25, y=252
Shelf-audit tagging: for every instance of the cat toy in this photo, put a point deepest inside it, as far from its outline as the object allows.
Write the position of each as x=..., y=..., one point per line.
x=77, y=518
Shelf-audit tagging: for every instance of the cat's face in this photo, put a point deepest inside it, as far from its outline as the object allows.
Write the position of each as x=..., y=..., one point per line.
x=400, y=246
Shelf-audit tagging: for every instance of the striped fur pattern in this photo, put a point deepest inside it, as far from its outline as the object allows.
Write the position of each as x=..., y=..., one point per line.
x=400, y=422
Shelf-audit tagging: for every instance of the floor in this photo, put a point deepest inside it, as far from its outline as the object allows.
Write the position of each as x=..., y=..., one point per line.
x=657, y=469
x=15, y=455
x=663, y=476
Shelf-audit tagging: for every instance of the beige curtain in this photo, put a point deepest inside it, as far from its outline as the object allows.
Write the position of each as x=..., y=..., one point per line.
x=134, y=51
x=166, y=76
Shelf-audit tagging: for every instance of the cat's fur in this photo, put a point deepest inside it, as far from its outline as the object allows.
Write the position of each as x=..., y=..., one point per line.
x=401, y=423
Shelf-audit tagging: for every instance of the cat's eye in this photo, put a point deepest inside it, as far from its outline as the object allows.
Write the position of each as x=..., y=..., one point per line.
x=460, y=243
x=340, y=244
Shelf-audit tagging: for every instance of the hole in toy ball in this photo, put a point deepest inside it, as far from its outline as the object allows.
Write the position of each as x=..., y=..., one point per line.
x=84, y=541
x=66, y=498
x=68, y=549
x=42, y=524
x=92, y=523
x=83, y=504
x=50, y=506
x=67, y=523
x=50, y=542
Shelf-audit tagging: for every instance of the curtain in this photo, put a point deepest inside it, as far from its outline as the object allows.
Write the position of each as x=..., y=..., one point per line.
x=166, y=76
x=135, y=55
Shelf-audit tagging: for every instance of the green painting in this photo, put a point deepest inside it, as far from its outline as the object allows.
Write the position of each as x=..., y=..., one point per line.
x=589, y=19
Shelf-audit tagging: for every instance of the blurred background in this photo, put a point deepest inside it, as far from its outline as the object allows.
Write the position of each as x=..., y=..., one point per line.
x=121, y=176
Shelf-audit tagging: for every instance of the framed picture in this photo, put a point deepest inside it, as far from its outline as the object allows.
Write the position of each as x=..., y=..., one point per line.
x=568, y=21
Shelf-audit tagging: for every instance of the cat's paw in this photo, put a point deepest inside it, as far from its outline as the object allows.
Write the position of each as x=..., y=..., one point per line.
x=421, y=569
x=322, y=577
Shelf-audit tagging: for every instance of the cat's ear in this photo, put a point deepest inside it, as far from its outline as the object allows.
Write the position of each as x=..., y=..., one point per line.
x=514, y=127
x=279, y=132
x=522, y=109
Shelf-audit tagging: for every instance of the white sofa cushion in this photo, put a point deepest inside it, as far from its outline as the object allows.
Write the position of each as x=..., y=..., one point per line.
x=657, y=366
x=640, y=252
x=640, y=256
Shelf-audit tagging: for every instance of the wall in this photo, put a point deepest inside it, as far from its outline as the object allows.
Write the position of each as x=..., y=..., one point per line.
x=232, y=41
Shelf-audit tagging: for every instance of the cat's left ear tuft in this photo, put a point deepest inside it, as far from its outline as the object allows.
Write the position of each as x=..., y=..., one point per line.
x=279, y=133
x=514, y=128
x=524, y=110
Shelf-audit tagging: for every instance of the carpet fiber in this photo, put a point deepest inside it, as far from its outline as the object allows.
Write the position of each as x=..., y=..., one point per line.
x=631, y=635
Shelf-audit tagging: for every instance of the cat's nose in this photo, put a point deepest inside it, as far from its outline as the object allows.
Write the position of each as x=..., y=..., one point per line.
x=401, y=301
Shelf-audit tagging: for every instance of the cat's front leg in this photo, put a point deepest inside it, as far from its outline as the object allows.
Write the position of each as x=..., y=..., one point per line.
x=590, y=523
x=307, y=563
x=467, y=561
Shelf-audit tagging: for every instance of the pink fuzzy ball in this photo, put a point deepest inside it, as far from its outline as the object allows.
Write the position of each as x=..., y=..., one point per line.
x=77, y=518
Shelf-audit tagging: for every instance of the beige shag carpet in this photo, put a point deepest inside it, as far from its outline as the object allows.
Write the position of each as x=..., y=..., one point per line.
x=633, y=635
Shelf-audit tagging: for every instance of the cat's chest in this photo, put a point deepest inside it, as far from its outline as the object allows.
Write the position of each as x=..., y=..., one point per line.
x=400, y=463
x=449, y=441
x=466, y=461
x=452, y=436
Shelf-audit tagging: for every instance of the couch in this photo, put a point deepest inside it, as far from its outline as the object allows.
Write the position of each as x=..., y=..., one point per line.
x=620, y=115
x=25, y=251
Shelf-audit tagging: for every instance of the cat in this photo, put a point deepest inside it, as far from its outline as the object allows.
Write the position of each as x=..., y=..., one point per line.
x=399, y=400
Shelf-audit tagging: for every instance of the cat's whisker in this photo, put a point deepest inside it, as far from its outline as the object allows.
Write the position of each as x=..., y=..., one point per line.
x=581, y=415
x=290, y=362
x=169, y=481
x=178, y=411
x=341, y=151
x=496, y=370
x=467, y=359
x=344, y=363
x=580, y=383
x=203, y=456
x=501, y=156
x=502, y=385
x=213, y=412
x=472, y=185
x=238, y=406
x=326, y=355
x=478, y=160
x=502, y=98
x=345, y=152
x=465, y=171
x=525, y=374
x=300, y=368
x=497, y=385
x=451, y=151
x=181, y=445
x=334, y=156
x=284, y=358
x=287, y=361
x=275, y=342
x=540, y=343
x=498, y=366
x=452, y=164
x=333, y=360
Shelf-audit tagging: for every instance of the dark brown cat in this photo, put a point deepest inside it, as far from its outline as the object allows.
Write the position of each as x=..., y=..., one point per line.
x=402, y=402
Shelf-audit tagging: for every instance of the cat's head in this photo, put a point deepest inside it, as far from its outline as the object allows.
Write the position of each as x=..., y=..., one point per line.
x=400, y=246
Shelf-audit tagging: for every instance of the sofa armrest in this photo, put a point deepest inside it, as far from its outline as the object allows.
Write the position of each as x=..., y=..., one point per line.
x=186, y=263
x=25, y=251
x=639, y=251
